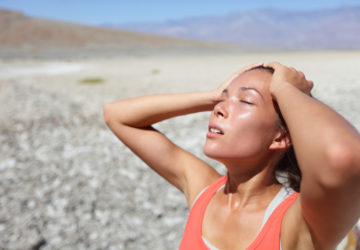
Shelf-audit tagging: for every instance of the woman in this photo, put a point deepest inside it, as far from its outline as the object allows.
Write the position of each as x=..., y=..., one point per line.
x=258, y=116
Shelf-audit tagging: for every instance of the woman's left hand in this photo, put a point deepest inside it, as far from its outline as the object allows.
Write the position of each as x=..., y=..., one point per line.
x=285, y=75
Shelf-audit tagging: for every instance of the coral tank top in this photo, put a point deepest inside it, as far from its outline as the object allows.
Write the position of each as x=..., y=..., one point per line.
x=267, y=239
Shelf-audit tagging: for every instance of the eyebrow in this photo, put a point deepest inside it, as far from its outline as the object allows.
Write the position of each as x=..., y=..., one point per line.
x=251, y=89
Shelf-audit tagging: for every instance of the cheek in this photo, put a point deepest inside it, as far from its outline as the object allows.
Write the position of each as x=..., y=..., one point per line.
x=252, y=135
x=248, y=134
x=254, y=125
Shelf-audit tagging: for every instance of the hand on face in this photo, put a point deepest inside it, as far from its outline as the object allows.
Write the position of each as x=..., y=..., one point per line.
x=283, y=75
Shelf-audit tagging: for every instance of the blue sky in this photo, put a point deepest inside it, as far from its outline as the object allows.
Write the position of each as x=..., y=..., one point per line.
x=123, y=11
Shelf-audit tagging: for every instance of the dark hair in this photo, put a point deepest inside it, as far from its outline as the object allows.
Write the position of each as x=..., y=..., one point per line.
x=287, y=169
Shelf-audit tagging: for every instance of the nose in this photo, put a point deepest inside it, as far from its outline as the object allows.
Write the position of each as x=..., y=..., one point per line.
x=220, y=110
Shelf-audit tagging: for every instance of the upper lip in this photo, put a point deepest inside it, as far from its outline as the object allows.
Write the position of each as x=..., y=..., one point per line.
x=215, y=126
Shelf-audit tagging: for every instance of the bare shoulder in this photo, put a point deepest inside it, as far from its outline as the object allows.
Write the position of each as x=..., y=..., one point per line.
x=198, y=175
x=295, y=233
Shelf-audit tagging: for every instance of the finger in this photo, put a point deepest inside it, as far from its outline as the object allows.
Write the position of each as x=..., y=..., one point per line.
x=292, y=69
x=254, y=65
x=302, y=75
x=274, y=65
x=311, y=84
x=249, y=67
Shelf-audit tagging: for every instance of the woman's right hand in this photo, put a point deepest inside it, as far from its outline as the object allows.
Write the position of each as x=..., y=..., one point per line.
x=283, y=74
x=218, y=91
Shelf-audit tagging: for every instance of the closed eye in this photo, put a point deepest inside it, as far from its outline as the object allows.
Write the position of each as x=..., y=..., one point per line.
x=246, y=102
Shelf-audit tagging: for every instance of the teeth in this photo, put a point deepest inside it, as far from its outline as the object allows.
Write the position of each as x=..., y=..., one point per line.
x=215, y=130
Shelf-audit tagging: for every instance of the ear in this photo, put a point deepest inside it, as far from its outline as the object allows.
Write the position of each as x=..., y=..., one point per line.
x=282, y=140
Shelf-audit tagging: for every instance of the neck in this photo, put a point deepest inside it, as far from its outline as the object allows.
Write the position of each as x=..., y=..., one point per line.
x=251, y=183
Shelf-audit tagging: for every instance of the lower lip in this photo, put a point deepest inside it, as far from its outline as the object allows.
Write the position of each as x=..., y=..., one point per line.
x=213, y=135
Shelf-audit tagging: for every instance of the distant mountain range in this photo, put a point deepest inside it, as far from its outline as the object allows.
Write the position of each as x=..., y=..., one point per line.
x=21, y=35
x=337, y=28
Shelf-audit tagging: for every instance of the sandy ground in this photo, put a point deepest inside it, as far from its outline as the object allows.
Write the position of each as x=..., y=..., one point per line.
x=67, y=183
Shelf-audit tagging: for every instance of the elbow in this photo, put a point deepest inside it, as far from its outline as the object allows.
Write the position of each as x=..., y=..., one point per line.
x=343, y=163
x=341, y=156
x=107, y=113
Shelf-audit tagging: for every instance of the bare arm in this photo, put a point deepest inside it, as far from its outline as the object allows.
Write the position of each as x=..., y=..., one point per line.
x=327, y=149
x=131, y=121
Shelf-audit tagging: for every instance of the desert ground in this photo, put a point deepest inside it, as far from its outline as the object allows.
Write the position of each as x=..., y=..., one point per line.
x=68, y=183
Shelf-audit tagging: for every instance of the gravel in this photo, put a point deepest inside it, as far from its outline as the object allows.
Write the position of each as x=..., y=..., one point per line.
x=67, y=183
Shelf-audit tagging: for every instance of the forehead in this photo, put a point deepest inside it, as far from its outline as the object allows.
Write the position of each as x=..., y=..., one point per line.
x=258, y=79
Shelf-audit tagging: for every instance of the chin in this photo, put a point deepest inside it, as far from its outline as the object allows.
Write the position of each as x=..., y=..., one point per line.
x=226, y=154
x=207, y=151
x=214, y=154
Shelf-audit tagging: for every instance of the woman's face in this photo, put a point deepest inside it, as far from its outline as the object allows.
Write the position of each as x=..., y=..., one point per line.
x=244, y=123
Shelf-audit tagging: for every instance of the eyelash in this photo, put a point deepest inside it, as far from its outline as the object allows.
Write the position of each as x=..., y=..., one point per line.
x=246, y=102
x=243, y=101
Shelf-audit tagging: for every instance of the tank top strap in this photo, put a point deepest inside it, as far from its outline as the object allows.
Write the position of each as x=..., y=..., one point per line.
x=192, y=238
x=269, y=237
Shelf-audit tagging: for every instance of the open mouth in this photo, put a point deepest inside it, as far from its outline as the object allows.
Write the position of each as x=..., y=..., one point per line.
x=216, y=131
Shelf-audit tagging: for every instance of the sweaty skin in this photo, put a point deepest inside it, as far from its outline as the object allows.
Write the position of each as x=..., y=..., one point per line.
x=245, y=136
